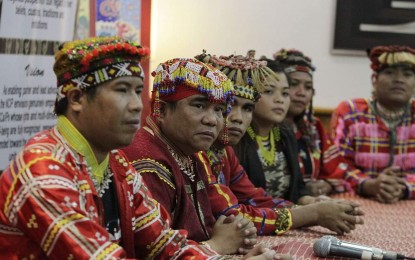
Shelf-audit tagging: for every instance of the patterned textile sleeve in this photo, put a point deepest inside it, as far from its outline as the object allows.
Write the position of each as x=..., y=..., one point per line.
x=153, y=236
x=340, y=128
x=159, y=181
x=333, y=167
x=44, y=213
x=253, y=202
x=184, y=197
x=50, y=210
x=174, y=196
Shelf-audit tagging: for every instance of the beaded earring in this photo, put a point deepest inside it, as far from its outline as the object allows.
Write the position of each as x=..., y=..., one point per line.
x=156, y=109
x=277, y=133
x=225, y=134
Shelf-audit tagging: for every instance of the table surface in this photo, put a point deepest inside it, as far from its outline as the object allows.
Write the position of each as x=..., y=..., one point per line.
x=390, y=227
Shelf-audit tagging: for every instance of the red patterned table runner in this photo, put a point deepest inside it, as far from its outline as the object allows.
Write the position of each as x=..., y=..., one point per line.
x=390, y=227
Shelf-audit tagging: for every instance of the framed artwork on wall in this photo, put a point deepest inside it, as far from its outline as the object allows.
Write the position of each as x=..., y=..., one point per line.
x=130, y=19
x=363, y=24
x=83, y=21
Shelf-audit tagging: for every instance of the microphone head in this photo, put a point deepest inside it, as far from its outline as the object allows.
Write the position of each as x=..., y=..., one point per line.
x=321, y=247
x=332, y=239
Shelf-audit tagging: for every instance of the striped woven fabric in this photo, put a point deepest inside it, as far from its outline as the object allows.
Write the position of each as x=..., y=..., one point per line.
x=369, y=145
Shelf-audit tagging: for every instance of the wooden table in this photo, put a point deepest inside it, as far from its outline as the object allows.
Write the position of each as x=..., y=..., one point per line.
x=390, y=227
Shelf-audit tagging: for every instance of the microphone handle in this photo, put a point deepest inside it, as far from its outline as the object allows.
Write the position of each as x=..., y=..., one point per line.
x=377, y=253
x=341, y=251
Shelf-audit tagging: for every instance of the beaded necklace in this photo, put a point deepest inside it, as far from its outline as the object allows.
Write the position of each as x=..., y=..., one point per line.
x=99, y=173
x=185, y=163
x=268, y=154
x=102, y=186
x=391, y=118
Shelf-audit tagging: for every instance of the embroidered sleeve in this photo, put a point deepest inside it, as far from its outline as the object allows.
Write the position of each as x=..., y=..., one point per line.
x=151, y=166
x=155, y=239
x=159, y=181
x=48, y=201
x=224, y=202
x=333, y=167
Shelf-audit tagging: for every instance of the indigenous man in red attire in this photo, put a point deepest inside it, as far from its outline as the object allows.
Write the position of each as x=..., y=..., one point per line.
x=190, y=99
x=377, y=135
x=70, y=194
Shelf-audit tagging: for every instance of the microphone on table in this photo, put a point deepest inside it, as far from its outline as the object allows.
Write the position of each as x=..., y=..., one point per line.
x=331, y=246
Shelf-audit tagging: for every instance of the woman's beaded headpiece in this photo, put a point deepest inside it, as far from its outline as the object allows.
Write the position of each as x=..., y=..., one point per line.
x=87, y=63
x=294, y=60
x=247, y=74
x=182, y=77
x=386, y=56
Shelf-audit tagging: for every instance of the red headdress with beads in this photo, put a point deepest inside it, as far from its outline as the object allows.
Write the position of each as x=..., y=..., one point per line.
x=180, y=78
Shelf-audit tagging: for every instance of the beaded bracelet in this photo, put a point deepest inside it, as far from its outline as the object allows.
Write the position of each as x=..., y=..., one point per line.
x=284, y=220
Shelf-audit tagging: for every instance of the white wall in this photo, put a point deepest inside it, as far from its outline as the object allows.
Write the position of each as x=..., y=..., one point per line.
x=182, y=28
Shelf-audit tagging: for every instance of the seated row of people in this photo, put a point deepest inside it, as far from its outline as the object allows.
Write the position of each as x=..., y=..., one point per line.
x=231, y=189
x=72, y=194
x=214, y=165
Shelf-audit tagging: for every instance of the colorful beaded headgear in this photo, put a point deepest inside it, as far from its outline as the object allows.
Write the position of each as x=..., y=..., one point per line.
x=180, y=78
x=87, y=63
x=247, y=74
x=386, y=56
x=293, y=60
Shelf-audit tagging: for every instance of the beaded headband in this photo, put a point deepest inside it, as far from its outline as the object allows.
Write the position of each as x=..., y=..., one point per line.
x=194, y=75
x=386, y=56
x=293, y=60
x=248, y=75
x=87, y=63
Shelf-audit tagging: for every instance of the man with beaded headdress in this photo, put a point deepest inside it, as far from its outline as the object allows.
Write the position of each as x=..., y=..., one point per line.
x=321, y=164
x=189, y=102
x=376, y=135
x=230, y=188
x=70, y=194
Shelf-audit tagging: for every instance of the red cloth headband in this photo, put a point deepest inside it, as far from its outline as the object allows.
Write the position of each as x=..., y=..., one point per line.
x=181, y=92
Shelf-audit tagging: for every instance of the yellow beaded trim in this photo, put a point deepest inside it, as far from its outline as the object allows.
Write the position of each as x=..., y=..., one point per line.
x=284, y=220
